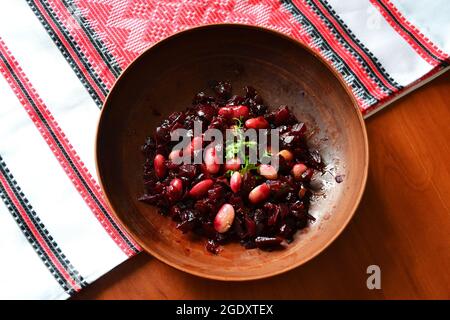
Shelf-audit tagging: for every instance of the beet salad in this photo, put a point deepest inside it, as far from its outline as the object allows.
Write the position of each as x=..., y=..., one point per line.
x=215, y=188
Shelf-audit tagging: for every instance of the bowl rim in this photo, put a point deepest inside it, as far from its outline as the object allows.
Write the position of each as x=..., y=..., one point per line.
x=323, y=62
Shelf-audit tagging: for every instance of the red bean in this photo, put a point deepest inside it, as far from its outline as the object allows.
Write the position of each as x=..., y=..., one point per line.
x=259, y=193
x=160, y=166
x=212, y=164
x=201, y=188
x=235, y=182
x=257, y=123
x=234, y=112
x=226, y=112
x=240, y=111
x=268, y=171
x=175, y=189
x=176, y=156
x=233, y=164
x=224, y=218
x=297, y=170
x=286, y=154
x=177, y=184
x=196, y=145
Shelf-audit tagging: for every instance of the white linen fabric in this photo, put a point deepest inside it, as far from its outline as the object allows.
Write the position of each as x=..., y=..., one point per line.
x=400, y=60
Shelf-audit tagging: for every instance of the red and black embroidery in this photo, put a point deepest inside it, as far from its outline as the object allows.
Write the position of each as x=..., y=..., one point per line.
x=62, y=149
x=361, y=92
x=94, y=39
x=80, y=64
x=346, y=37
x=36, y=233
x=422, y=45
x=85, y=52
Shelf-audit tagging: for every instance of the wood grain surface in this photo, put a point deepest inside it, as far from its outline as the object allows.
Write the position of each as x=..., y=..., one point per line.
x=402, y=225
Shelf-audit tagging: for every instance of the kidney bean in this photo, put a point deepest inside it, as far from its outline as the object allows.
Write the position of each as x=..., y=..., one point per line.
x=286, y=154
x=234, y=112
x=201, y=188
x=235, y=182
x=297, y=170
x=257, y=123
x=224, y=218
x=212, y=164
x=177, y=184
x=233, y=164
x=268, y=171
x=160, y=166
x=195, y=145
x=259, y=193
x=176, y=156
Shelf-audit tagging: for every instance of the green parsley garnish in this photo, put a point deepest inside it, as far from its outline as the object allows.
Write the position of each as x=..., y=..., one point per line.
x=240, y=143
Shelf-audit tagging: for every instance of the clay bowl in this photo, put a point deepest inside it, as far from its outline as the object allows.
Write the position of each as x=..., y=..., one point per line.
x=166, y=77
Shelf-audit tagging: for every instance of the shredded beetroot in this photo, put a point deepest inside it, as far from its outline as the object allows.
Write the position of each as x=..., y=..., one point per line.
x=261, y=208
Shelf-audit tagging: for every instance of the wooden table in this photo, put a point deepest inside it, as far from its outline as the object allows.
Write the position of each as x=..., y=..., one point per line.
x=402, y=225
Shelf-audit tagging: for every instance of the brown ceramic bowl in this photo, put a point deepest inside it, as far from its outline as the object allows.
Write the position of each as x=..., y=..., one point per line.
x=166, y=77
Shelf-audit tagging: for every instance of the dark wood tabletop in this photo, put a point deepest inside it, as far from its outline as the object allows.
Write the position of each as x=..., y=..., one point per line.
x=402, y=225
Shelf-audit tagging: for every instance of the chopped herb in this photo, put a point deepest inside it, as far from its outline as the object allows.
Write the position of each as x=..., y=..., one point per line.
x=233, y=149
